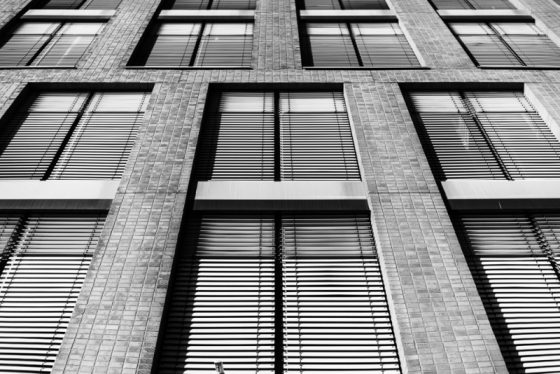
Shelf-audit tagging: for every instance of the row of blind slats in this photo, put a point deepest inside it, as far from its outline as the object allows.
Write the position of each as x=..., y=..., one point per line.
x=526, y=146
x=510, y=49
x=472, y=4
x=377, y=51
x=222, y=304
x=44, y=269
x=98, y=147
x=214, y=4
x=81, y=4
x=336, y=317
x=344, y=4
x=513, y=267
x=238, y=138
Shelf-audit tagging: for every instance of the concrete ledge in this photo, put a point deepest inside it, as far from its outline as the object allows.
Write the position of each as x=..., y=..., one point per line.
x=288, y=195
x=370, y=15
x=70, y=14
x=492, y=14
x=166, y=15
x=57, y=194
x=471, y=194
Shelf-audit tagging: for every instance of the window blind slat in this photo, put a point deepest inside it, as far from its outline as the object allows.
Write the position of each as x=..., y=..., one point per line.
x=472, y=4
x=214, y=4
x=43, y=271
x=344, y=4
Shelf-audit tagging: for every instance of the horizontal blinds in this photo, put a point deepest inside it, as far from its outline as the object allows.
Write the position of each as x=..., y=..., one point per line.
x=174, y=44
x=238, y=138
x=34, y=135
x=472, y=4
x=101, y=142
x=489, y=135
x=102, y=4
x=336, y=315
x=330, y=45
x=41, y=279
x=63, y=4
x=523, y=141
x=225, y=44
x=315, y=137
x=222, y=300
x=214, y=4
x=26, y=42
x=519, y=286
x=344, y=4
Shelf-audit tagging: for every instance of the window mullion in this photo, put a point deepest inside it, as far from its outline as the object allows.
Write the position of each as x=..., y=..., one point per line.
x=354, y=44
x=485, y=135
x=277, y=138
x=197, y=44
x=503, y=41
x=68, y=136
x=278, y=296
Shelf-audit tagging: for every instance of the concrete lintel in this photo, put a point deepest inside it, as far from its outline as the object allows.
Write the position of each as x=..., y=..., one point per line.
x=286, y=195
x=370, y=15
x=206, y=15
x=57, y=194
x=471, y=194
x=69, y=14
x=490, y=14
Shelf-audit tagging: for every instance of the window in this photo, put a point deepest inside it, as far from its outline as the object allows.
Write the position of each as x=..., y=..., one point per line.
x=45, y=258
x=277, y=135
x=343, y=4
x=200, y=44
x=48, y=43
x=514, y=262
x=484, y=134
x=71, y=135
x=211, y=4
x=78, y=4
x=472, y=4
x=300, y=292
x=341, y=44
x=511, y=44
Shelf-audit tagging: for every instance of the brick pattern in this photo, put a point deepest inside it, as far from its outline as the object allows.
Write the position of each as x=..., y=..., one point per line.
x=439, y=318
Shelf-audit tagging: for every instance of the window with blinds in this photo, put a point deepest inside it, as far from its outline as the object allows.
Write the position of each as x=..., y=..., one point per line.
x=276, y=293
x=342, y=4
x=71, y=135
x=198, y=44
x=212, y=4
x=78, y=4
x=277, y=135
x=511, y=44
x=472, y=4
x=344, y=44
x=484, y=134
x=48, y=43
x=44, y=262
x=514, y=262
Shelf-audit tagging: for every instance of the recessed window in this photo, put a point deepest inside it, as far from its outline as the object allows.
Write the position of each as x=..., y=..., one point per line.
x=211, y=4
x=45, y=259
x=342, y=44
x=342, y=4
x=78, y=4
x=185, y=44
x=472, y=4
x=282, y=135
x=485, y=135
x=507, y=44
x=71, y=135
x=48, y=43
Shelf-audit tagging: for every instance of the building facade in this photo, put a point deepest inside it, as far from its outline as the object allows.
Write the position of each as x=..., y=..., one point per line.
x=259, y=186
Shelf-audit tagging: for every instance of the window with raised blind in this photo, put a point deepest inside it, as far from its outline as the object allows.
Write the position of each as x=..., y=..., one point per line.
x=342, y=4
x=511, y=44
x=71, y=135
x=78, y=4
x=198, y=44
x=212, y=4
x=472, y=4
x=277, y=135
x=48, y=43
x=276, y=293
x=344, y=44
x=484, y=134
x=514, y=262
x=44, y=262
